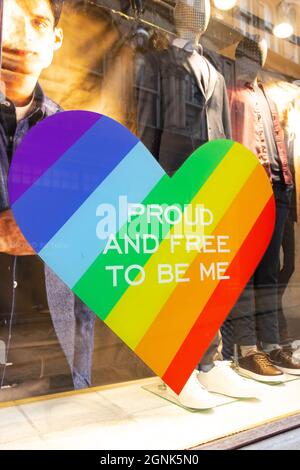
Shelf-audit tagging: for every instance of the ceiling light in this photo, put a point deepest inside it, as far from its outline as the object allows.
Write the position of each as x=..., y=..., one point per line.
x=225, y=4
x=283, y=30
x=284, y=26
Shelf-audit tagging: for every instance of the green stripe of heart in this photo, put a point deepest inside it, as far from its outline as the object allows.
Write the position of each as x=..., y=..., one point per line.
x=194, y=174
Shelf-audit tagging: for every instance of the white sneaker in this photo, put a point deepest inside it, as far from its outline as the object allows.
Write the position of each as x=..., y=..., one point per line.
x=194, y=395
x=223, y=379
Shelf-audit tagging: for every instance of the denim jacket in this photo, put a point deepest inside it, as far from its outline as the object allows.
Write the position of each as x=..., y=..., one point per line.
x=248, y=129
x=11, y=133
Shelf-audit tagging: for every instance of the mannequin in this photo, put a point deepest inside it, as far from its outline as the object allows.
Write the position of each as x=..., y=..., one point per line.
x=193, y=110
x=191, y=21
x=256, y=125
x=193, y=104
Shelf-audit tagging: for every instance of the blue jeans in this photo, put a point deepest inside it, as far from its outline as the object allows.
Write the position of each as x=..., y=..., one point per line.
x=72, y=320
x=74, y=324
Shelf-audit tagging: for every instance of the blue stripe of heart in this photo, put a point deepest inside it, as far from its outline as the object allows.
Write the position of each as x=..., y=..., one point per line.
x=76, y=246
x=60, y=191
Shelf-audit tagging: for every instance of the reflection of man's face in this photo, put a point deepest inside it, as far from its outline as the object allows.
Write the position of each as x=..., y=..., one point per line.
x=29, y=36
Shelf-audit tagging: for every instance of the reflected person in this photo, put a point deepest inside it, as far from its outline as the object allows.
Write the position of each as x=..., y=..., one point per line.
x=30, y=37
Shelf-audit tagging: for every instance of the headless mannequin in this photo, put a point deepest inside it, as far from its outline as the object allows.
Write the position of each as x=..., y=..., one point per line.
x=256, y=125
x=251, y=57
x=193, y=106
x=185, y=72
x=191, y=21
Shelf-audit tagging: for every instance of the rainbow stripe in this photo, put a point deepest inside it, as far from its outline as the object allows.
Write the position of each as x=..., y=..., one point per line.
x=96, y=160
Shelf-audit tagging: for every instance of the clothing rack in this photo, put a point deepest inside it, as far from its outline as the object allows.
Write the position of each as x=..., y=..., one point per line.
x=135, y=18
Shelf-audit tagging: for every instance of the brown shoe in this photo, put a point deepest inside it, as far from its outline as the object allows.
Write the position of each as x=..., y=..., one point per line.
x=259, y=367
x=283, y=360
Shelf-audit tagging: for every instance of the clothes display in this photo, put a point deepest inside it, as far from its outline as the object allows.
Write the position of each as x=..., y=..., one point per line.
x=178, y=75
x=255, y=318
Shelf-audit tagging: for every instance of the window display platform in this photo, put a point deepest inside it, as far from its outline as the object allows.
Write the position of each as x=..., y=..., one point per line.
x=127, y=416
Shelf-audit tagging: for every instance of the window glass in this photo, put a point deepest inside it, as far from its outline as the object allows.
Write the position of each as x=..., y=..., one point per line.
x=178, y=75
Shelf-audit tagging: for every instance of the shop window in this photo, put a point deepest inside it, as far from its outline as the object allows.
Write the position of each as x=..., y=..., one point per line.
x=174, y=97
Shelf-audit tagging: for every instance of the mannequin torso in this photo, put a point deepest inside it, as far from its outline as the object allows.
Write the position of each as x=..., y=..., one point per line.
x=193, y=105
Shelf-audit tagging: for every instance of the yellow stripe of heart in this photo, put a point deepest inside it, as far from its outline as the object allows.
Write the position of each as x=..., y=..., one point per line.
x=138, y=307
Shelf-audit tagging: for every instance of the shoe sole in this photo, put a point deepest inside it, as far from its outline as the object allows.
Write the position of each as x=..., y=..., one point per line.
x=289, y=371
x=235, y=395
x=260, y=378
x=180, y=403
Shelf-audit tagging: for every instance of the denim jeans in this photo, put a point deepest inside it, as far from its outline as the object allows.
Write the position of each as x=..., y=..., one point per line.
x=74, y=326
x=286, y=271
x=24, y=290
x=212, y=353
x=255, y=316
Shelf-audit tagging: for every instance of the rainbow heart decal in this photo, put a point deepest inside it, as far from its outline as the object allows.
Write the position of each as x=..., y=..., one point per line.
x=160, y=260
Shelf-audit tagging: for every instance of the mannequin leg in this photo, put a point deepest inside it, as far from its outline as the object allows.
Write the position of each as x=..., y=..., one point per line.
x=213, y=353
x=74, y=326
x=285, y=274
x=242, y=318
x=267, y=274
x=84, y=345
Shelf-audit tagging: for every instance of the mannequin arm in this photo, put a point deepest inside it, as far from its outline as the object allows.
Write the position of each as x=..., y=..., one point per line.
x=148, y=129
x=226, y=114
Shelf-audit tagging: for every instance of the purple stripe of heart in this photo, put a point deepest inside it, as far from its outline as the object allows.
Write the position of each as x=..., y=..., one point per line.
x=54, y=144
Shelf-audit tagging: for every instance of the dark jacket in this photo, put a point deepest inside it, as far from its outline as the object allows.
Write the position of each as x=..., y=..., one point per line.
x=173, y=116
